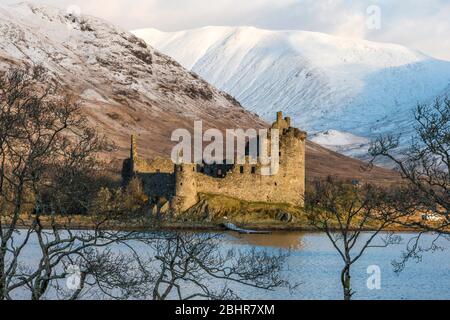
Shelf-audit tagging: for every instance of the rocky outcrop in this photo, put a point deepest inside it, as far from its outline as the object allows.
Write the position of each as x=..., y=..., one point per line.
x=208, y=209
x=159, y=208
x=284, y=216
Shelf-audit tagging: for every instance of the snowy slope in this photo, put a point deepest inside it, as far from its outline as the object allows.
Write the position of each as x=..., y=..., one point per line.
x=126, y=86
x=324, y=82
x=342, y=142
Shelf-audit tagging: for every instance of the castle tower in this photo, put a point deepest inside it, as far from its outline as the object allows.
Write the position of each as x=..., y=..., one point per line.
x=133, y=149
x=129, y=167
x=288, y=121
x=185, y=187
x=279, y=116
x=281, y=124
x=292, y=159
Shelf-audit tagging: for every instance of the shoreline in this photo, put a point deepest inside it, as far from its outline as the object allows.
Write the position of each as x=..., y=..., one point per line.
x=199, y=227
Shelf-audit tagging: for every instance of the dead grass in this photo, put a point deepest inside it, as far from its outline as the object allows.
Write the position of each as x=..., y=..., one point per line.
x=247, y=212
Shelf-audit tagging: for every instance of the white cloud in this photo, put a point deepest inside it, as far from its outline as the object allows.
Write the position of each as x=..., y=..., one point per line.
x=422, y=25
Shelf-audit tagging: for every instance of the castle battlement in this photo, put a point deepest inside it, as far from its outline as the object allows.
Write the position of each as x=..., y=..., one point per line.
x=183, y=183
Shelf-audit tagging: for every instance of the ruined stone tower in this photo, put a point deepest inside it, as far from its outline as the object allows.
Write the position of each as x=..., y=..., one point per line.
x=183, y=183
x=133, y=153
x=245, y=181
x=129, y=165
x=291, y=177
x=186, y=192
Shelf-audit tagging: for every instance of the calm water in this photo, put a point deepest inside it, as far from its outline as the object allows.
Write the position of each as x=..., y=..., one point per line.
x=316, y=265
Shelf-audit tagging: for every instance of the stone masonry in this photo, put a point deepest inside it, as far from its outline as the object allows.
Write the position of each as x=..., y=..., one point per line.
x=181, y=184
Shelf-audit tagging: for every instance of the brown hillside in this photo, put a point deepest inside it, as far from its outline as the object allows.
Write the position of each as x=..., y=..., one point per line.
x=321, y=162
x=127, y=87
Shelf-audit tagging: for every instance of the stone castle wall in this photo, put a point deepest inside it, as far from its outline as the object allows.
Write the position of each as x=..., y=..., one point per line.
x=157, y=175
x=182, y=183
x=246, y=182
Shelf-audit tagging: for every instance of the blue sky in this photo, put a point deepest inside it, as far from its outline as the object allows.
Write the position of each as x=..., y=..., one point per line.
x=418, y=24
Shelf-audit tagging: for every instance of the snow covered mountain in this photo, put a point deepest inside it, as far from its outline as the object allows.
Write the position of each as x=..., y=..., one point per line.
x=126, y=86
x=324, y=82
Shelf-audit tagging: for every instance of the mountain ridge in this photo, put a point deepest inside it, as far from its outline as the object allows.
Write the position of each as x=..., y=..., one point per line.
x=127, y=87
x=325, y=82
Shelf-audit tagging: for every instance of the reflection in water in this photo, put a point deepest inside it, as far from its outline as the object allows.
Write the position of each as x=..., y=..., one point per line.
x=315, y=264
x=283, y=240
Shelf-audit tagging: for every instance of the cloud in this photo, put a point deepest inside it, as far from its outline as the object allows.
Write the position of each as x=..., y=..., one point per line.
x=421, y=25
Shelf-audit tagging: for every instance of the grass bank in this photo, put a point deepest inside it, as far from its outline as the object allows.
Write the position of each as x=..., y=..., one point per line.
x=208, y=215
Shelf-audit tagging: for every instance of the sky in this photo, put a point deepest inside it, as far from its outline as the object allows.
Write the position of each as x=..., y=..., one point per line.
x=417, y=24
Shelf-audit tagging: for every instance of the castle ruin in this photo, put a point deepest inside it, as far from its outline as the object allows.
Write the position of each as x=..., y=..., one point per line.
x=181, y=184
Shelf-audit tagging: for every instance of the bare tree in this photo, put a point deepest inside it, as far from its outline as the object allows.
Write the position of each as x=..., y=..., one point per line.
x=425, y=167
x=49, y=170
x=198, y=262
x=353, y=217
x=45, y=143
x=426, y=163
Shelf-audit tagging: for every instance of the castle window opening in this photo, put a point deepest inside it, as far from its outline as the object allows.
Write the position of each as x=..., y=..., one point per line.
x=253, y=170
x=242, y=169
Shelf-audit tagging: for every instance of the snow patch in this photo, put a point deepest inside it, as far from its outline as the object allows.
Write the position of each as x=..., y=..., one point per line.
x=343, y=142
x=338, y=138
x=90, y=94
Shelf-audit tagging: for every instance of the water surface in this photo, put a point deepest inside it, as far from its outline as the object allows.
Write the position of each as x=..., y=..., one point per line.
x=316, y=265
